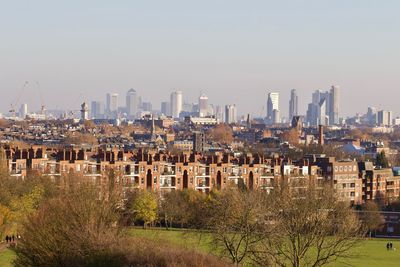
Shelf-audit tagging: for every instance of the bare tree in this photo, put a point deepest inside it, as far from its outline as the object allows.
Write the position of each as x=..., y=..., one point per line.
x=77, y=228
x=371, y=217
x=235, y=221
x=312, y=228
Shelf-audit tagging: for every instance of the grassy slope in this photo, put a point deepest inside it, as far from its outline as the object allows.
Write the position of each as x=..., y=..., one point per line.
x=370, y=253
x=6, y=257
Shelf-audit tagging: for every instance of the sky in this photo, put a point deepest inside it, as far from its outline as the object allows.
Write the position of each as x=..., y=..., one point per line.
x=233, y=51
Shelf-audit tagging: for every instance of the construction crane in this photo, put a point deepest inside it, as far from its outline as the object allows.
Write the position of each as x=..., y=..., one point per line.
x=13, y=106
x=42, y=105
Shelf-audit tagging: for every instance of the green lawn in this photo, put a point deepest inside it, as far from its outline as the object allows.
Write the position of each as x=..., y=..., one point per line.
x=6, y=257
x=370, y=252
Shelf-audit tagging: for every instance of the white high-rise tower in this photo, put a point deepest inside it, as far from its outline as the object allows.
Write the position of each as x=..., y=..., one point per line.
x=272, y=107
x=176, y=103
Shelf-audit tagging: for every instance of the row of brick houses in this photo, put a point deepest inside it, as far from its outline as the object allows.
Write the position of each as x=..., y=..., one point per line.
x=355, y=182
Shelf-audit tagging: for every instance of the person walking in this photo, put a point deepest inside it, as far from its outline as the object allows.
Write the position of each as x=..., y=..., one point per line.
x=6, y=238
x=387, y=245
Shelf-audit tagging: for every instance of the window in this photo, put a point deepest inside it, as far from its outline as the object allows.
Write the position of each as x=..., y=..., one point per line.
x=352, y=185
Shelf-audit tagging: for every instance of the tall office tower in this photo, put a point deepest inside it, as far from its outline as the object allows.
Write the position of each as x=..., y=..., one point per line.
x=23, y=111
x=385, y=118
x=166, y=108
x=112, y=102
x=334, y=105
x=112, y=106
x=132, y=104
x=84, y=112
x=176, y=103
x=230, y=114
x=371, y=116
x=322, y=117
x=147, y=106
x=276, y=117
x=272, y=104
x=203, y=105
x=293, y=104
x=219, y=113
x=97, y=110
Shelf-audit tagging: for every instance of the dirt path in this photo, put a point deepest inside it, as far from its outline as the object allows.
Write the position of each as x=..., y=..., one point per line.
x=3, y=246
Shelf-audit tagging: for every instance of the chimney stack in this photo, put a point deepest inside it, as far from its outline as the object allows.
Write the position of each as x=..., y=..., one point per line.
x=321, y=135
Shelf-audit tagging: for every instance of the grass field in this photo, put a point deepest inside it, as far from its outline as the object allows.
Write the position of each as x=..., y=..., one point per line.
x=6, y=257
x=371, y=252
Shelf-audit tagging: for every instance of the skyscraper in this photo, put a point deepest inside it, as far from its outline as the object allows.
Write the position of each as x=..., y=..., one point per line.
x=176, y=103
x=293, y=104
x=371, y=116
x=166, y=108
x=272, y=104
x=203, y=105
x=112, y=105
x=23, y=111
x=97, y=110
x=230, y=114
x=219, y=113
x=132, y=104
x=385, y=118
x=147, y=107
x=334, y=105
x=322, y=117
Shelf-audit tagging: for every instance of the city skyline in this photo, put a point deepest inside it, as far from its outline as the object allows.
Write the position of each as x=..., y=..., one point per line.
x=246, y=50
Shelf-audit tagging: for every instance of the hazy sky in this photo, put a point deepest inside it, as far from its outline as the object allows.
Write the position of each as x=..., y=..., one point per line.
x=234, y=51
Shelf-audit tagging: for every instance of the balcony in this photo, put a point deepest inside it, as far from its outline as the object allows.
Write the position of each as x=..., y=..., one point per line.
x=17, y=172
x=168, y=173
x=167, y=186
x=266, y=175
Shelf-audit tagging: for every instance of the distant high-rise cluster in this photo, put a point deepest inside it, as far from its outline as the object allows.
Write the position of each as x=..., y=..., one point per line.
x=324, y=108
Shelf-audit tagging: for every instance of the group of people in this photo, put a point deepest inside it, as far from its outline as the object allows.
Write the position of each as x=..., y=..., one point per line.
x=11, y=238
x=389, y=246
